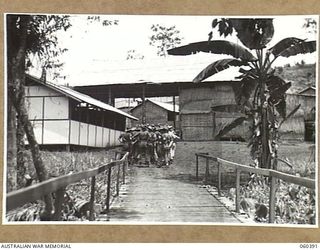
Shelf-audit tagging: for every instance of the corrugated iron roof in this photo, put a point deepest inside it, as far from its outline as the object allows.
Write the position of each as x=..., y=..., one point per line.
x=167, y=106
x=154, y=70
x=81, y=97
x=306, y=89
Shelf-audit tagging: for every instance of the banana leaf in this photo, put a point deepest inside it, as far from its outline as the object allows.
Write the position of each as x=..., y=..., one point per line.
x=284, y=44
x=290, y=114
x=248, y=74
x=281, y=107
x=276, y=85
x=280, y=91
x=254, y=33
x=229, y=126
x=300, y=48
x=215, y=47
x=244, y=90
x=216, y=67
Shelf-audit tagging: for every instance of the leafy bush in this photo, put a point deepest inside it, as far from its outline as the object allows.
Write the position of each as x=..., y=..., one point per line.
x=294, y=204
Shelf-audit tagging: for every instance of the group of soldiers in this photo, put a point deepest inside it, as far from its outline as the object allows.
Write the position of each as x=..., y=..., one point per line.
x=150, y=144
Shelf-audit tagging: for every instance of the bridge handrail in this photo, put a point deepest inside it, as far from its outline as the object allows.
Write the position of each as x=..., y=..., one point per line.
x=273, y=174
x=302, y=181
x=35, y=192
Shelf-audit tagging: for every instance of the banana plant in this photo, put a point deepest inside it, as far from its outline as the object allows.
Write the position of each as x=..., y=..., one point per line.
x=260, y=93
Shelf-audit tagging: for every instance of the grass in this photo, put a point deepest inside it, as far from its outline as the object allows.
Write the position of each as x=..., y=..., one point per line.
x=296, y=210
x=62, y=163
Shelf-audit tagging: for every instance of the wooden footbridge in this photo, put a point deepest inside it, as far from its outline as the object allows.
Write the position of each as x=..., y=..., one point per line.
x=153, y=195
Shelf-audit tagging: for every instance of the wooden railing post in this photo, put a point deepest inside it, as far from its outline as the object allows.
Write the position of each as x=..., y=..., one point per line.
x=238, y=172
x=219, y=179
x=108, y=190
x=197, y=167
x=118, y=179
x=115, y=155
x=92, y=194
x=272, y=199
x=207, y=174
x=124, y=172
x=58, y=204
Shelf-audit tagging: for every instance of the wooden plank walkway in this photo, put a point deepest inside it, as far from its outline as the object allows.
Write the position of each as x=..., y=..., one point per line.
x=155, y=195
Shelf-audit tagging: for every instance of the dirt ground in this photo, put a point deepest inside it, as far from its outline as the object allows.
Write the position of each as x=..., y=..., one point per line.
x=297, y=153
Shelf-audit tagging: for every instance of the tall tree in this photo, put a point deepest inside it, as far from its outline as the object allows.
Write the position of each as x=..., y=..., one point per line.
x=310, y=24
x=29, y=35
x=134, y=55
x=260, y=93
x=164, y=38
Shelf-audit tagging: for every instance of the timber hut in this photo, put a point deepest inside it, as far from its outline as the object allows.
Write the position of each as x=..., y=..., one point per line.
x=204, y=108
x=63, y=117
x=207, y=108
x=301, y=126
x=161, y=77
x=157, y=112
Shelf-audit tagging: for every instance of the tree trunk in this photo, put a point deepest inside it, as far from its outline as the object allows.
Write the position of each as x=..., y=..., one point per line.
x=16, y=82
x=21, y=166
x=11, y=148
x=36, y=157
x=264, y=160
x=265, y=152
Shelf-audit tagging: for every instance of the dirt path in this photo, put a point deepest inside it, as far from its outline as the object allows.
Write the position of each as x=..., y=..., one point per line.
x=163, y=195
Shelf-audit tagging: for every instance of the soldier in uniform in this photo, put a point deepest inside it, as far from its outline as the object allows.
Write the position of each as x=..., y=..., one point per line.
x=162, y=146
x=152, y=144
x=127, y=139
x=173, y=136
x=134, y=143
x=142, y=144
x=166, y=146
x=158, y=145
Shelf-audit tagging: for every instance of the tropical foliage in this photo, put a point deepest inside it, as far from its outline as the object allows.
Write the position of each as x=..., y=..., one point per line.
x=134, y=55
x=164, y=38
x=294, y=204
x=28, y=35
x=41, y=40
x=260, y=92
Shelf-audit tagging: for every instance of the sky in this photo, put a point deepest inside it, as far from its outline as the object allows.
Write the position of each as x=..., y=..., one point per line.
x=92, y=45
